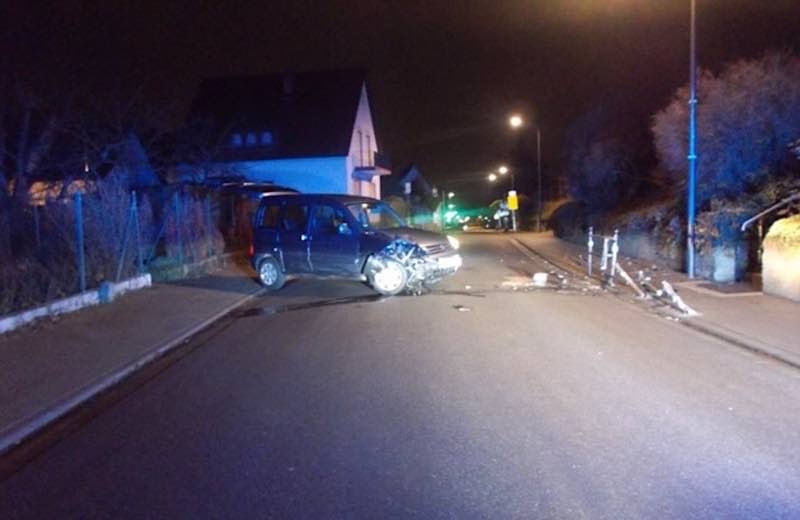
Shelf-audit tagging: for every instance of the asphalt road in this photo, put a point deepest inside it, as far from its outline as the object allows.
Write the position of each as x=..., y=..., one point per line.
x=486, y=399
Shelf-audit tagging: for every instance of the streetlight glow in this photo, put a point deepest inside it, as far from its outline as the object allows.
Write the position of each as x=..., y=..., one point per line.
x=492, y=177
x=451, y=195
x=515, y=121
x=503, y=170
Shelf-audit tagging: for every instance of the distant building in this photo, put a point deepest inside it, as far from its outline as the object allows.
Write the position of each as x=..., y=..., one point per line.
x=410, y=182
x=412, y=196
x=312, y=131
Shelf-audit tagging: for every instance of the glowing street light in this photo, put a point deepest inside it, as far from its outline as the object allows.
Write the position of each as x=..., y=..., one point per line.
x=450, y=195
x=516, y=122
x=492, y=177
x=503, y=170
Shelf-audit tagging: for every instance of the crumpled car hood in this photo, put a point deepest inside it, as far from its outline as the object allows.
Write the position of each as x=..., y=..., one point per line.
x=420, y=237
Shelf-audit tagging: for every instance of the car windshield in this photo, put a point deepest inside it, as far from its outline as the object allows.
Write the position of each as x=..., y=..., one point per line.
x=376, y=215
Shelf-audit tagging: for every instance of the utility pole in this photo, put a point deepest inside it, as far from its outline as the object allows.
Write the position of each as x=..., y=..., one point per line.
x=539, y=167
x=692, y=156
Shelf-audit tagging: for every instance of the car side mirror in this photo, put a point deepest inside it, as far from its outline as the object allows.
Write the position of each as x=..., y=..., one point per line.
x=344, y=229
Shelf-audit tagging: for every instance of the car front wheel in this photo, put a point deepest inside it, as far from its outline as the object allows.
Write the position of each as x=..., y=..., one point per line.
x=388, y=277
x=270, y=274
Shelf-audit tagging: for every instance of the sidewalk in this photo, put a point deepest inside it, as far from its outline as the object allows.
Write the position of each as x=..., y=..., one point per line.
x=741, y=315
x=49, y=367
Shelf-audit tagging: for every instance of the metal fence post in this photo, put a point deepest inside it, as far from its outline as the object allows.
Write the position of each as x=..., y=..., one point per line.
x=124, y=249
x=614, y=253
x=192, y=237
x=138, y=228
x=79, y=241
x=177, y=203
x=590, y=245
x=209, y=232
x=36, y=226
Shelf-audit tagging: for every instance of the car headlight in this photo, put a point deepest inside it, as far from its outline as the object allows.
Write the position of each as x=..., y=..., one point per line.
x=453, y=242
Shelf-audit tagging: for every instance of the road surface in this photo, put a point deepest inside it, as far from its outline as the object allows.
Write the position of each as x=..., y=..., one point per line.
x=486, y=399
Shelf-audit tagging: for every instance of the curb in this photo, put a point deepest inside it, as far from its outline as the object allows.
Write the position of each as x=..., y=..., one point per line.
x=715, y=331
x=731, y=337
x=17, y=435
x=103, y=294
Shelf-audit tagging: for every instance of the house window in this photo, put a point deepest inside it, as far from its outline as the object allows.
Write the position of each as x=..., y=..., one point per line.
x=236, y=140
x=360, y=148
x=251, y=139
x=266, y=138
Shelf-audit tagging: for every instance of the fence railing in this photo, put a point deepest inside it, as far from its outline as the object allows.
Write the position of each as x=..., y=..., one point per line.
x=75, y=243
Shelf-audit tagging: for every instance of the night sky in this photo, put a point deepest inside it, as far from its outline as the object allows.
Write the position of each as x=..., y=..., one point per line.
x=444, y=75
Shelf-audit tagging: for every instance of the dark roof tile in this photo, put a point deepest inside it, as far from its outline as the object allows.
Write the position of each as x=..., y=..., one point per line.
x=309, y=114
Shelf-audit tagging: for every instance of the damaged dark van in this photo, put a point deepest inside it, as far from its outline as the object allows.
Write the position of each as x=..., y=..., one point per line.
x=346, y=236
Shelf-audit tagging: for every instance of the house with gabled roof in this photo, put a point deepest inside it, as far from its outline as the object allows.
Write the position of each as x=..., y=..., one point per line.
x=310, y=131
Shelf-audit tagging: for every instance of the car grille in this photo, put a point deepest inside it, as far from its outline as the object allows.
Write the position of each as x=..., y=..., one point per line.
x=435, y=249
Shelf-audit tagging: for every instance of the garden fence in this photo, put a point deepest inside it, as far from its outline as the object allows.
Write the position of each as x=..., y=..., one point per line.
x=74, y=243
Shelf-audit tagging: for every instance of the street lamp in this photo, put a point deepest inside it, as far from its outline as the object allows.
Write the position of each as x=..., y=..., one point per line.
x=503, y=170
x=516, y=122
x=692, y=155
x=492, y=177
x=450, y=195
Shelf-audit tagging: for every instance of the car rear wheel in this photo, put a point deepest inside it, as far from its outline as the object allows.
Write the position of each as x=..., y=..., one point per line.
x=270, y=274
x=388, y=277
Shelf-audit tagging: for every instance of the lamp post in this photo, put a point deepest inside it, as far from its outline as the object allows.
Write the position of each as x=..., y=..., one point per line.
x=503, y=170
x=692, y=156
x=516, y=122
x=504, y=199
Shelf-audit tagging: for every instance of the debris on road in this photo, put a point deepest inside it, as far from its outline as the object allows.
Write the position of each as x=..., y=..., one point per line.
x=461, y=308
x=676, y=301
x=540, y=279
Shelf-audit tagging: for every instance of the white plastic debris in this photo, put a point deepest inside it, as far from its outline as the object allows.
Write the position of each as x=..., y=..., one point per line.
x=540, y=279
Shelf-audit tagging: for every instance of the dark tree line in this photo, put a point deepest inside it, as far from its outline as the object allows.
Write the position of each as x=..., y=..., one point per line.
x=748, y=116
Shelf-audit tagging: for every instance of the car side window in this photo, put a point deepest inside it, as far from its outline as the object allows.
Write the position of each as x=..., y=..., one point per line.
x=327, y=219
x=270, y=217
x=295, y=217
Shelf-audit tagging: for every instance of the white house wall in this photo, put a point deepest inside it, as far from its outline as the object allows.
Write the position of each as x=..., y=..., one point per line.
x=312, y=175
x=363, y=145
x=356, y=187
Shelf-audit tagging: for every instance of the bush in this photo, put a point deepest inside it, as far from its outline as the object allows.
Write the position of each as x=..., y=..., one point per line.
x=569, y=221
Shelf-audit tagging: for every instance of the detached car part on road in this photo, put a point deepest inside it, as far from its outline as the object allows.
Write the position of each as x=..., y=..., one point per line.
x=349, y=237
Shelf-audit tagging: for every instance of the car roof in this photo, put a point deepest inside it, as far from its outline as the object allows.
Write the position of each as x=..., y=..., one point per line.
x=317, y=197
